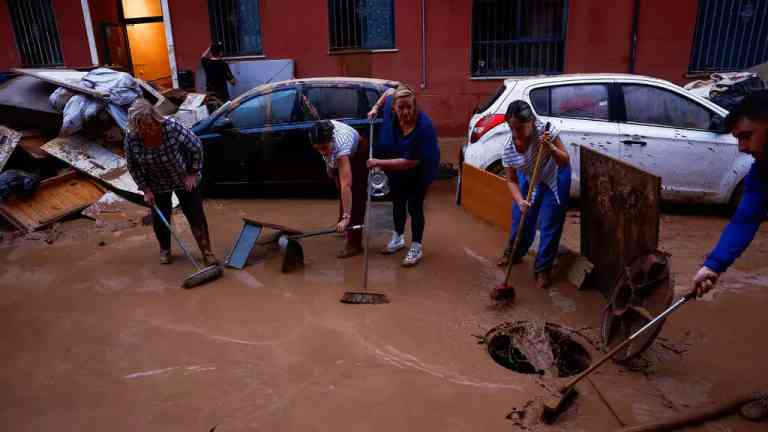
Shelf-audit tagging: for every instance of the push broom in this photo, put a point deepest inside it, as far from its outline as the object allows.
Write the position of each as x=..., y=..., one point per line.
x=202, y=275
x=365, y=297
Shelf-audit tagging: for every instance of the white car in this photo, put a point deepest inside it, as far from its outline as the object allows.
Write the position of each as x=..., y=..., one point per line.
x=650, y=123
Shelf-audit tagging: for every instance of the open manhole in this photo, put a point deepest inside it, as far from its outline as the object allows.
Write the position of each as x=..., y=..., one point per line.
x=537, y=348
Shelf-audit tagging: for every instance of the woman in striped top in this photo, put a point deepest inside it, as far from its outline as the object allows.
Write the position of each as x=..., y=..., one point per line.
x=345, y=154
x=550, y=197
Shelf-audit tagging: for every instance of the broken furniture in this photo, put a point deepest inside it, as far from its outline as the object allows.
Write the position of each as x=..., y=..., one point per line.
x=55, y=199
x=247, y=239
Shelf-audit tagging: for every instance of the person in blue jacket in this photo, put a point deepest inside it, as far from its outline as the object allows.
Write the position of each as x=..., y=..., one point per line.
x=748, y=122
x=411, y=156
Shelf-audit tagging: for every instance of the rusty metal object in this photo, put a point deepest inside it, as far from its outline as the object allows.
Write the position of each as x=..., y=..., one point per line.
x=642, y=292
x=619, y=215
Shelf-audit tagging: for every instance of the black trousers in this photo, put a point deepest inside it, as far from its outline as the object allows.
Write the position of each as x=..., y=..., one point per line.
x=192, y=206
x=408, y=199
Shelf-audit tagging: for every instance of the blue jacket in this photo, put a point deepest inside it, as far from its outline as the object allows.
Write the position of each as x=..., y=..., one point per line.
x=744, y=223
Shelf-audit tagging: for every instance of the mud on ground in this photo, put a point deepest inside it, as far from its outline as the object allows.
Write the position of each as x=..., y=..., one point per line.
x=97, y=335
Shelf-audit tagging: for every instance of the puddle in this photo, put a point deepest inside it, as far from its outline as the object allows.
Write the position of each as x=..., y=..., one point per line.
x=538, y=348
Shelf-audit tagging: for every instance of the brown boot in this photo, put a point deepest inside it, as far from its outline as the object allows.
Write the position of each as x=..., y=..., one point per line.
x=165, y=257
x=544, y=279
x=756, y=410
x=210, y=259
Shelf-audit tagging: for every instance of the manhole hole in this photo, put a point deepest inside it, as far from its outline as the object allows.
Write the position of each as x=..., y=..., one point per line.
x=537, y=348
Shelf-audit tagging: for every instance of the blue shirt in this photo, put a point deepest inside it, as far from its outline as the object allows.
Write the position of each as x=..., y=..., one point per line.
x=738, y=234
x=420, y=144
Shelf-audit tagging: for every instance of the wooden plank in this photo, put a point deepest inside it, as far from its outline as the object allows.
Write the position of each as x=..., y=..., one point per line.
x=619, y=215
x=55, y=198
x=486, y=196
x=67, y=78
x=9, y=139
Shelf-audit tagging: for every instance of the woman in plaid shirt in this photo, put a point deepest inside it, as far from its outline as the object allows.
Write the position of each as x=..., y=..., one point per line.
x=164, y=157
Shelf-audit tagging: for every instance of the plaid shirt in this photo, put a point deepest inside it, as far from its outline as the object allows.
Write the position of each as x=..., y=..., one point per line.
x=163, y=169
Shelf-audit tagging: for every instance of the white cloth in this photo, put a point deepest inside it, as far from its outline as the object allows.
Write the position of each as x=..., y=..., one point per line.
x=526, y=160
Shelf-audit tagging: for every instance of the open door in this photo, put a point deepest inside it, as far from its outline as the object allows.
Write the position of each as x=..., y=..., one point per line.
x=116, y=43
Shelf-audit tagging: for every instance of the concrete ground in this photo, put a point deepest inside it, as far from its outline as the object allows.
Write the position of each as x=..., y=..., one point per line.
x=96, y=335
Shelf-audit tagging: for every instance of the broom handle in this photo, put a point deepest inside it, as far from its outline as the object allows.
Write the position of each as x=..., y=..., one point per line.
x=367, y=223
x=531, y=186
x=618, y=348
x=322, y=232
x=178, y=240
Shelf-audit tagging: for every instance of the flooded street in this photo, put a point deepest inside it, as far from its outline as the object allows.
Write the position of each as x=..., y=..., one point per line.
x=97, y=335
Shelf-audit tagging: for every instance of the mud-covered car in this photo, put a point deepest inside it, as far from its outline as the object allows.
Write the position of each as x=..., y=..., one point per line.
x=259, y=141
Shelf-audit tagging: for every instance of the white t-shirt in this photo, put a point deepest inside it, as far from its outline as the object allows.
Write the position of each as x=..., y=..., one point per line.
x=526, y=160
x=345, y=143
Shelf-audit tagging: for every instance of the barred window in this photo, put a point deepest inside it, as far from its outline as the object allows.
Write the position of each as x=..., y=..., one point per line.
x=518, y=37
x=36, y=35
x=236, y=25
x=730, y=35
x=361, y=24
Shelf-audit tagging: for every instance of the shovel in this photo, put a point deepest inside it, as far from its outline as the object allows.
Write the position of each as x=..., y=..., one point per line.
x=293, y=253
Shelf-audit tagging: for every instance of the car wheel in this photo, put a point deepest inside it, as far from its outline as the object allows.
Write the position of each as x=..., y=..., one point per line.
x=496, y=168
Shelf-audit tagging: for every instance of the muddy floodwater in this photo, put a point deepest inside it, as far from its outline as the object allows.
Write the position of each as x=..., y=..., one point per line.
x=96, y=335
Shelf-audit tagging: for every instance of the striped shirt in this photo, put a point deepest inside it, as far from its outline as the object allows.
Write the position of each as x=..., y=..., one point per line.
x=345, y=143
x=525, y=161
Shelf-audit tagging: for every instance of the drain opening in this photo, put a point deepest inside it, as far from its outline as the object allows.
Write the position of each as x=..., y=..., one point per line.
x=535, y=348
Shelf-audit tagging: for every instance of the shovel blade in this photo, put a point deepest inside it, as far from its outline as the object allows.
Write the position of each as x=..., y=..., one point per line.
x=293, y=256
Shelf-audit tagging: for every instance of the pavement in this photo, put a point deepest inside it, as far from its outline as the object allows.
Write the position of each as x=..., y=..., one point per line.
x=97, y=335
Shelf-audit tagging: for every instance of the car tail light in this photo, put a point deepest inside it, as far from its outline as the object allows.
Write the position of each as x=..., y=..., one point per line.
x=485, y=124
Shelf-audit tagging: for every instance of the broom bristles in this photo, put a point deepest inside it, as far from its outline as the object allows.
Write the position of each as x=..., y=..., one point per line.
x=200, y=277
x=363, y=298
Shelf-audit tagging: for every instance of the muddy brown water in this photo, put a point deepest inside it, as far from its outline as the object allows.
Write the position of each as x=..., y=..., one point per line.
x=102, y=338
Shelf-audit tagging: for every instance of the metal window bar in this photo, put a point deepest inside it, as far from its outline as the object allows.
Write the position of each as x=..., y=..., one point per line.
x=37, y=37
x=730, y=35
x=518, y=37
x=226, y=28
x=360, y=24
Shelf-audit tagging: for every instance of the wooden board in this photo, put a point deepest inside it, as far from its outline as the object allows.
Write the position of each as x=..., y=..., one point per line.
x=486, y=196
x=619, y=215
x=67, y=78
x=56, y=198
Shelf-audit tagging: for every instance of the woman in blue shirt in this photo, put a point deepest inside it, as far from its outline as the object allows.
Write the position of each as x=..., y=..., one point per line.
x=412, y=159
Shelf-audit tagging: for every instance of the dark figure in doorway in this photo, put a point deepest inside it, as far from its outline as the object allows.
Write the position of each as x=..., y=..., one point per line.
x=217, y=73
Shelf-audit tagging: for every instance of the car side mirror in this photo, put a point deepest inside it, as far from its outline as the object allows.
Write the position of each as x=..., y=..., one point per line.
x=717, y=125
x=222, y=124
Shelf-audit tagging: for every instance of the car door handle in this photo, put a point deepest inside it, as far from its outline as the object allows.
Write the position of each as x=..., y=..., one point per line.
x=634, y=142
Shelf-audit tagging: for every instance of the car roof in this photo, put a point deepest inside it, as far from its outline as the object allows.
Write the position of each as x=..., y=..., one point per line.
x=372, y=82
x=550, y=79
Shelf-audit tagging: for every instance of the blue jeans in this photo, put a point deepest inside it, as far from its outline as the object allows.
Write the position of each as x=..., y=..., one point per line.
x=547, y=214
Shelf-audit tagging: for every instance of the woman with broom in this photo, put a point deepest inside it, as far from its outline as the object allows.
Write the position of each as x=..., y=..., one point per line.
x=165, y=157
x=549, y=201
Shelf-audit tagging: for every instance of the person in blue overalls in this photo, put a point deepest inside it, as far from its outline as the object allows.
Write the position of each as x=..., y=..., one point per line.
x=748, y=122
x=407, y=149
x=550, y=198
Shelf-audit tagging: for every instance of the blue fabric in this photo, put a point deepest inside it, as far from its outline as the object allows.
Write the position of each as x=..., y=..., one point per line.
x=548, y=215
x=384, y=147
x=738, y=234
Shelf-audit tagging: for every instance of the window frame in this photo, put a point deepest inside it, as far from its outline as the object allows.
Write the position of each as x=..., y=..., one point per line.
x=293, y=118
x=508, y=74
x=623, y=104
x=351, y=50
x=361, y=98
x=53, y=36
x=214, y=36
x=609, y=86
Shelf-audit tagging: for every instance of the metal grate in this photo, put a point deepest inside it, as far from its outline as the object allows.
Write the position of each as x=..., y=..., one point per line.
x=730, y=35
x=236, y=25
x=518, y=37
x=36, y=36
x=361, y=24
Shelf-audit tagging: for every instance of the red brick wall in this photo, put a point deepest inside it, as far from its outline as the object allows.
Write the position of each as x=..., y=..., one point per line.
x=72, y=37
x=9, y=54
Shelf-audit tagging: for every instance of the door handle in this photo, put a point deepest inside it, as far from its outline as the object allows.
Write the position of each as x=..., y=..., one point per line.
x=634, y=142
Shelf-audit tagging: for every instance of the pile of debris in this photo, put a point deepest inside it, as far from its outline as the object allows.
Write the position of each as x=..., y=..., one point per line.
x=61, y=141
x=727, y=89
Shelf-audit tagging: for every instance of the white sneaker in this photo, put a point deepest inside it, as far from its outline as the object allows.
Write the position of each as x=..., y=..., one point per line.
x=413, y=256
x=394, y=245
